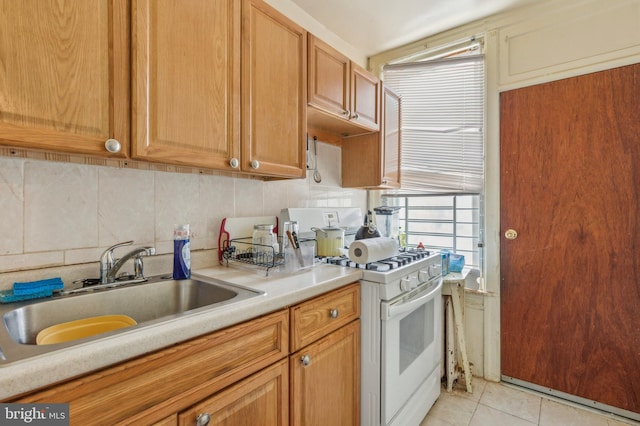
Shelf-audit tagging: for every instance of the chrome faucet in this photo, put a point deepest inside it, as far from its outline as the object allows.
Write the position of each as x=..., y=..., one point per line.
x=109, y=266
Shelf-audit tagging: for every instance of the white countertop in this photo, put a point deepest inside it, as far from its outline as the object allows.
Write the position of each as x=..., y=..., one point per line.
x=281, y=291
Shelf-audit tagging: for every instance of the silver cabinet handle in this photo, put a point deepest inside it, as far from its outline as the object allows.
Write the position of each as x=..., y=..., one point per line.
x=112, y=145
x=234, y=163
x=203, y=419
x=255, y=164
x=333, y=313
x=305, y=359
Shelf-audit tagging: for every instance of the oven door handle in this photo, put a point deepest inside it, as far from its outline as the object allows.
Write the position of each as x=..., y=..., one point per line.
x=391, y=310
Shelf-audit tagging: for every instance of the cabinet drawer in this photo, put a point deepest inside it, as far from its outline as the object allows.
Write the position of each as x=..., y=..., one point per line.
x=315, y=318
x=150, y=388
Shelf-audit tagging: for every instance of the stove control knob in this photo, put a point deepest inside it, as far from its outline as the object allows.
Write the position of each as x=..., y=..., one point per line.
x=435, y=270
x=408, y=283
x=424, y=276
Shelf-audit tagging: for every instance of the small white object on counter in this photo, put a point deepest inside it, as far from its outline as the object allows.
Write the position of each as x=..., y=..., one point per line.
x=373, y=249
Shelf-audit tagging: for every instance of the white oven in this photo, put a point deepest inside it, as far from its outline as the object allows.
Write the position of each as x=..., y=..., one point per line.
x=411, y=346
x=401, y=343
x=401, y=323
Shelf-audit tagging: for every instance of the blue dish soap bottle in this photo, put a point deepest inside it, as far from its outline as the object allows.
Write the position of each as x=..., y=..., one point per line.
x=181, y=253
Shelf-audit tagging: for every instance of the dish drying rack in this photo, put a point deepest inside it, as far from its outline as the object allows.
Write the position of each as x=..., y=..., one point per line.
x=243, y=250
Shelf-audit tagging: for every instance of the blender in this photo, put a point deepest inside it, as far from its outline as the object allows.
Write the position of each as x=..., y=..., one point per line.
x=387, y=220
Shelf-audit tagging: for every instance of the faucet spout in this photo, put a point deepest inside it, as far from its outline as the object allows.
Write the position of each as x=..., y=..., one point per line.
x=136, y=254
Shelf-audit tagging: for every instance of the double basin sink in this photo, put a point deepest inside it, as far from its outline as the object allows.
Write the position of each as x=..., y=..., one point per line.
x=154, y=301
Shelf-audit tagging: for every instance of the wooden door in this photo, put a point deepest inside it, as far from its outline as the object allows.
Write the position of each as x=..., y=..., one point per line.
x=64, y=79
x=365, y=98
x=329, y=79
x=274, y=92
x=325, y=387
x=186, y=72
x=391, y=131
x=570, y=187
x=261, y=399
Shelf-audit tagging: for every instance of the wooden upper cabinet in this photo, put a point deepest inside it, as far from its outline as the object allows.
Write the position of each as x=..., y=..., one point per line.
x=365, y=98
x=274, y=92
x=344, y=98
x=329, y=79
x=391, y=108
x=186, y=75
x=64, y=79
x=373, y=160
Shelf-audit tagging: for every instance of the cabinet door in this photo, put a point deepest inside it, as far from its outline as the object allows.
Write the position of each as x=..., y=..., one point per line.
x=64, y=79
x=186, y=74
x=365, y=98
x=329, y=79
x=391, y=138
x=373, y=160
x=261, y=399
x=274, y=92
x=325, y=380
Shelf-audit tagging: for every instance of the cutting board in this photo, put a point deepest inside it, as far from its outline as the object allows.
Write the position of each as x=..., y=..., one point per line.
x=241, y=227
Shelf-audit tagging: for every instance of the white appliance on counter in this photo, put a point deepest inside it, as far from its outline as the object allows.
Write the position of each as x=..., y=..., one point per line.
x=348, y=218
x=401, y=325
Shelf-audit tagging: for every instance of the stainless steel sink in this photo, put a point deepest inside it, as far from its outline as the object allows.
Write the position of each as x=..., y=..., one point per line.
x=156, y=300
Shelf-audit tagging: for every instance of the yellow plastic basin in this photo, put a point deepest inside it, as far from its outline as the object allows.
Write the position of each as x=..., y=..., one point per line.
x=85, y=327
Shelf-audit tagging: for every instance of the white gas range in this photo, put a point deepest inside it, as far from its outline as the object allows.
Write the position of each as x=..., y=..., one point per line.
x=401, y=332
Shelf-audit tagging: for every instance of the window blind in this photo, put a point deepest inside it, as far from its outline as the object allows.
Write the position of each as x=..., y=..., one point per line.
x=442, y=123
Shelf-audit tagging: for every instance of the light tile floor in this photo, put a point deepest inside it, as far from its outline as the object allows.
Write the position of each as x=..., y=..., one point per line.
x=498, y=404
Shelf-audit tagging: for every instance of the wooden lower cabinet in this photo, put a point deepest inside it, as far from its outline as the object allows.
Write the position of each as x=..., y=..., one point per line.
x=261, y=399
x=154, y=387
x=325, y=365
x=325, y=380
x=241, y=375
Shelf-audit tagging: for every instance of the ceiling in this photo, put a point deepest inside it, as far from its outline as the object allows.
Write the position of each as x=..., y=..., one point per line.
x=373, y=26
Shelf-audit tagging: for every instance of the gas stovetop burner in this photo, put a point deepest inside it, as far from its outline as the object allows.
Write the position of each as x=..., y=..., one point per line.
x=403, y=258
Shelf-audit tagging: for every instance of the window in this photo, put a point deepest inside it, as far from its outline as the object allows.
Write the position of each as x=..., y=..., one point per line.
x=442, y=221
x=442, y=164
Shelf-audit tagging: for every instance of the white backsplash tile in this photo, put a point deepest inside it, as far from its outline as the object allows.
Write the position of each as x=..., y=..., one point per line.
x=249, y=198
x=11, y=200
x=63, y=215
x=61, y=203
x=126, y=208
x=31, y=261
x=217, y=198
x=177, y=201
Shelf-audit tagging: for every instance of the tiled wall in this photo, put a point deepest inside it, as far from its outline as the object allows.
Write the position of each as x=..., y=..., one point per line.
x=59, y=214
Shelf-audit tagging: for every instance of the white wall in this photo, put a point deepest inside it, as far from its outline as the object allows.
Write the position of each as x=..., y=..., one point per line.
x=302, y=18
x=59, y=214
x=546, y=41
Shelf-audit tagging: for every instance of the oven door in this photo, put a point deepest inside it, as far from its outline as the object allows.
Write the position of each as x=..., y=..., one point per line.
x=411, y=344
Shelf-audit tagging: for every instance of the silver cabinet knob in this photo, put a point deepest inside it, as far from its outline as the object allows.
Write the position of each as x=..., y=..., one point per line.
x=255, y=164
x=355, y=116
x=234, y=163
x=347, y=113
x=112, y=145
x=305, y=359
x=203, y=419
x=333, y=313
